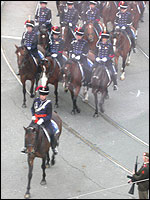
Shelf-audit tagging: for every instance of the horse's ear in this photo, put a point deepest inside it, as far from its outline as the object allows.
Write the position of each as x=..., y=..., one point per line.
x=16, y=46
x=25, y=128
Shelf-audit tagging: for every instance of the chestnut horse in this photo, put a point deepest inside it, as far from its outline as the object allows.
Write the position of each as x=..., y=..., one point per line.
x=38, y=146
x=72, y=77
x=43, y=38
x=27, y=70
x=122, y=47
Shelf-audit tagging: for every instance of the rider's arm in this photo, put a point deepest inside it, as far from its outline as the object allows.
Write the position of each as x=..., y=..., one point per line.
x=35, y=42
x=23, y=39
x=49, y=17
x=37, y=15
x=48, y=112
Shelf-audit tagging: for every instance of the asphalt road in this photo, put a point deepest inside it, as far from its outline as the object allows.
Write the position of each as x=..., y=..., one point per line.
x=78, y=169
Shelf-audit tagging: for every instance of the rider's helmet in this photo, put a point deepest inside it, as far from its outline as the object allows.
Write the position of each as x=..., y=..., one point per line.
x=29, y=23
x=70, y=2
x=123, y=5
x=93, y=2
x=80, y=31
x=43, y=2
x=56, y=30
x=105, y=34
x=44, y=90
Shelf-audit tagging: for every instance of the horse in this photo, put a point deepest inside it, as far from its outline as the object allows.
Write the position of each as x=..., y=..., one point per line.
x=60, y=6
x=67, y=35
x=38, y=146
x=91, y=35
x=27, y=70
x=43, y=39
x=109, y=12
x=72, y=78
x=51, y=73
x=100, y=82
x=134, y=9
x=122, y=47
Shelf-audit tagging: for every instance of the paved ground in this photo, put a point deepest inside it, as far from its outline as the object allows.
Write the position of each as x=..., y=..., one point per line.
x=78, y=168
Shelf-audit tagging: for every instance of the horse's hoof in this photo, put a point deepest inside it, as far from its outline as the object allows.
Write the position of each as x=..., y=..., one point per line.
x=43, y=183
x=96, y=115
x=47, y=165
x=78, y=110
x=56, y=106
x=85, y=100
x=52, y=162
x=127, y=64
x=24, y=106
x=27, y=196
x=73, y=112
x=32, y=95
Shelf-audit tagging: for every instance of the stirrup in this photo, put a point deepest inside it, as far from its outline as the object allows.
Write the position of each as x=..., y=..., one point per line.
x=115, y=87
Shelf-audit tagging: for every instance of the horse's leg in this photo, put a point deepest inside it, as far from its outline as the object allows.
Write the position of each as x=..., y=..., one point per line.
x=96, y=104
x=116, y=62
x=107, y=96
x=30, y=164
x=73, y=101
x=85, y=94
x=24, y=94
x=56, y=94
x=101, y=104
x=37, y=78
x=77, y=90
x=53, y=159
x=31, y=89
x=43, y=166
x=128, y=59
x=122, y=77
x=47, y=159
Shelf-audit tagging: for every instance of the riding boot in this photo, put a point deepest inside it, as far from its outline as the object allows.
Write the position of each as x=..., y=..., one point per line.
x=54, y=144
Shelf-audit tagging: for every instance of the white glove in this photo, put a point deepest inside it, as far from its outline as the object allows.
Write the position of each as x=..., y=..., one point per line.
x=123, y=27
x=98, y=59
x=104, y=59
x=84, y=22
x=73, y=56
x=77, y=57
x=70, y=24
x=54, y=55
x=36, y=23
x=33, y=118
x=117, y=27
x=29, y=48
x=40, y=121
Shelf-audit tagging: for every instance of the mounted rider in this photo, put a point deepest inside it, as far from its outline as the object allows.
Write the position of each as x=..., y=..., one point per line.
x=42, y=115
x=93, y=15
x=104, y=54
x=123, y=21
x=56, y=46
x=43, y=16
x=30, y=40
x=79, y=50
x=69, y=16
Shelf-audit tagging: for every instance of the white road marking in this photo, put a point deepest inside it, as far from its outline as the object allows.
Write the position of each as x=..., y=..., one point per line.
x=138, y=94
x=10, y=37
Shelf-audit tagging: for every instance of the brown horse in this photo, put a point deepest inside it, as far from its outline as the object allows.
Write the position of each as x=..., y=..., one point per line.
x=100, y=82
x=27, y=70
x=109, y=12
x=51, y=74
x=91, y=35
x=122, y=47
x=72, y=77
x=38, y=146
x=67, y=35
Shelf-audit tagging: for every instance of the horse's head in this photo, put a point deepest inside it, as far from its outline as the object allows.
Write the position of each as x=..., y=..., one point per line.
x=21, y=53
x=31, y=136
x=43, y=37
x=66, y=71
x=90, y=32
x=133, y=9
x=64, y=31
x=45, y=67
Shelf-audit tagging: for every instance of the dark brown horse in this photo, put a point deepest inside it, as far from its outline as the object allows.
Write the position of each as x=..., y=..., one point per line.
x=51, y=74
x=100, y=81
x=27, y=70
x=109, y=12
x=122, y=47
x=38, y=146
x=72, y=77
